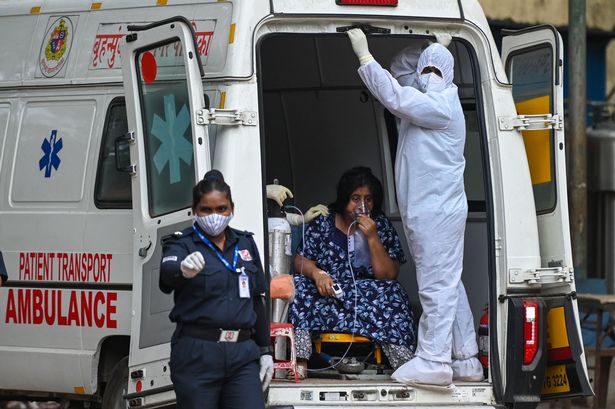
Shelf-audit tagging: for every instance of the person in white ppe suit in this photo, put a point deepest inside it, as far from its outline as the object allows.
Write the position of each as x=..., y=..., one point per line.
x=430, y=192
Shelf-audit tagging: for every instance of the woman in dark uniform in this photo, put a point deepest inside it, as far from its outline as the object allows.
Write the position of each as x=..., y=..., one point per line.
x=220, y=351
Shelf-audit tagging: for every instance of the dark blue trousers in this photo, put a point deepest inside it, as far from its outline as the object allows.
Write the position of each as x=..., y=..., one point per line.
x=217, y=375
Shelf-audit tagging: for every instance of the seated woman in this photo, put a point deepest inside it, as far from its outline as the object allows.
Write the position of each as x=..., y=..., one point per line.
x=383, y=312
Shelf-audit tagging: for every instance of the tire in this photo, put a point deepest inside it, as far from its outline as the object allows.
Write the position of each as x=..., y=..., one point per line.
x=113, y=397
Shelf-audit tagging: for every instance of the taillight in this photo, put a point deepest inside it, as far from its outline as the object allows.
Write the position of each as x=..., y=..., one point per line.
x=366, y=2
x=530, y=331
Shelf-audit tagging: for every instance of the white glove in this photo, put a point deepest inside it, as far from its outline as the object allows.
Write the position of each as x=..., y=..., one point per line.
x=359, y=45
x=192, y=264
x=278, y=193
x=443, y=38
x=266, y=372
x=313, y=212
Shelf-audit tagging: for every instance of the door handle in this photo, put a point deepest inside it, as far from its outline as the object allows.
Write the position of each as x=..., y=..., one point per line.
x=143, y=250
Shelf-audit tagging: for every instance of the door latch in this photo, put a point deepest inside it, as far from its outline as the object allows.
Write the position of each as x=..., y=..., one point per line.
x=541, y=276
x=531, y=122
x=143, y=250
x=216, y=116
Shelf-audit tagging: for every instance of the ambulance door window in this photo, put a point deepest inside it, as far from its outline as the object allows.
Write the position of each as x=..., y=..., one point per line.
x=531, y=73
x=112, y=189
x=167, y=130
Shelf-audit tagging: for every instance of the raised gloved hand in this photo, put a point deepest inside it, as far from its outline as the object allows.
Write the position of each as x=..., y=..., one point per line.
x=278, y=193
x=192, y=264
x=313, y=212
x=266, y=371
x=443, y=38
x=359, y=45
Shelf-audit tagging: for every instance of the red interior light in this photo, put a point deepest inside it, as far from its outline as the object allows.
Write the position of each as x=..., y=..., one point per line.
x=530, y=331
x=366, y=2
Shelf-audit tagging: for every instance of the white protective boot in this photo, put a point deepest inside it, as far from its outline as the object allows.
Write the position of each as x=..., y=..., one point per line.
x=469, y=370
x=425, y=374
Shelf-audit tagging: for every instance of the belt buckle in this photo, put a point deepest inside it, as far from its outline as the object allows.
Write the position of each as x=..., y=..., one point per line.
x=227, y=335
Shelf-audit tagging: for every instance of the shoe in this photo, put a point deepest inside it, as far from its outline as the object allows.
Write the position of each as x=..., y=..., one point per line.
x=426, y=374
x=468, y=370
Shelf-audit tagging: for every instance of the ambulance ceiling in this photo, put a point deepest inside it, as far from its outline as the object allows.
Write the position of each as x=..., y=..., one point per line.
x=442, y=9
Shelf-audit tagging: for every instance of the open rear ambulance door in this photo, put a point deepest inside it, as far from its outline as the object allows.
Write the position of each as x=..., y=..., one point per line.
x=552, y=364
x=169, y=151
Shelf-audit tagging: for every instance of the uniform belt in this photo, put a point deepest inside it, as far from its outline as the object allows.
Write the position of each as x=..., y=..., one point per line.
x=217, y=335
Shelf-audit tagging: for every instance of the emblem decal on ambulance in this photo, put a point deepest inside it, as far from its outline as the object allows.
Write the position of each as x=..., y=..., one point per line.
x=50, y=158
x=56, y=46
x=174, y=146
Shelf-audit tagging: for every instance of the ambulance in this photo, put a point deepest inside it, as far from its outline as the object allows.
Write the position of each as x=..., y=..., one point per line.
x=111, y=111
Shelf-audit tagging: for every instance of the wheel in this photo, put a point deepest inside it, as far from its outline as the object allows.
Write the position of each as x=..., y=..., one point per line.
x=113, y=397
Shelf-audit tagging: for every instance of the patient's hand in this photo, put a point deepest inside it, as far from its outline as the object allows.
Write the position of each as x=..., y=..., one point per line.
x=323, y=282
x=368, y=226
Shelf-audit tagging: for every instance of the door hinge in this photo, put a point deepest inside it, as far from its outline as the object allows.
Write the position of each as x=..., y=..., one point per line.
x=126, y=139
x=216, y=116
x=531, y=122
x=540, y=276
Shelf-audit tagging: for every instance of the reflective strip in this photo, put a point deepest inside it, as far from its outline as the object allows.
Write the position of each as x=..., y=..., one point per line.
x=537, y=143
x=161, y=2
x=557, y=333
x=95, y=6
x=222, y=99
x=35, y=10
x=231, y=36
x=79, y=390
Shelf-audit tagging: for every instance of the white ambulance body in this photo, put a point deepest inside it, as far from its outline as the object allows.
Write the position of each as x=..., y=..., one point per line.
x=103, y=135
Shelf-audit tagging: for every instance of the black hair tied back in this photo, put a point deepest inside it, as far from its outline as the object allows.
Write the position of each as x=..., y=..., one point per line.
x=213, y=180
x=214, y=174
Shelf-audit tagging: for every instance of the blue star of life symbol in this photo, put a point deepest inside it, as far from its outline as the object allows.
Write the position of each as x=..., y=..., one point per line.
x=50, y=158
x=173, y=145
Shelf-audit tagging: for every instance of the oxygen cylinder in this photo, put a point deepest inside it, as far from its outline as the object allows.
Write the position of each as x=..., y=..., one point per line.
x=279, y=259
x=483, y=340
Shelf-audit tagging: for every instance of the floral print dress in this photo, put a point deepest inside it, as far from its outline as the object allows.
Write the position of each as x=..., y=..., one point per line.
x=383, y=310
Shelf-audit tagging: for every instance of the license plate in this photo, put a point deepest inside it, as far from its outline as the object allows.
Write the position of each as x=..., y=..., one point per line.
x=556, y=380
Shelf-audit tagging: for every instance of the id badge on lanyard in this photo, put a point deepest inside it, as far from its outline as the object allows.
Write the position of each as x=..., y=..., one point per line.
x=244, y=284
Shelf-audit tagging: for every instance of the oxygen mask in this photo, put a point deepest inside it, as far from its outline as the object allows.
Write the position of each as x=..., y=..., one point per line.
x=360, y=209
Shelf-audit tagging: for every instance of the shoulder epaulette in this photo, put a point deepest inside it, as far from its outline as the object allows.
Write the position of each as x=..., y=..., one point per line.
x=175, y=235
x=243, y=232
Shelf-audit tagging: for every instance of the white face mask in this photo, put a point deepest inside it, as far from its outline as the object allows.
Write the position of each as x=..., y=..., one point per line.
x=431, y=82
x=213, y=224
